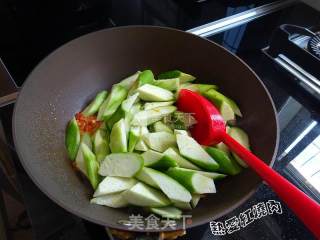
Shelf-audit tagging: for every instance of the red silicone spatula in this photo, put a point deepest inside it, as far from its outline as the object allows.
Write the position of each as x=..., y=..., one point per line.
x=211, y=129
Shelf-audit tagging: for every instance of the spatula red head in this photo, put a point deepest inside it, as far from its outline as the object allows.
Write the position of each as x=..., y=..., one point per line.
x=210, y=127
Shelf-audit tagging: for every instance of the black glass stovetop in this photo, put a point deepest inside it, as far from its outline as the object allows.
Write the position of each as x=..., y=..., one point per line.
x=33, y=29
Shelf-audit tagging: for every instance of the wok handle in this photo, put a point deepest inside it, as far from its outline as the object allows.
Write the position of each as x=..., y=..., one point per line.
x=306, y=209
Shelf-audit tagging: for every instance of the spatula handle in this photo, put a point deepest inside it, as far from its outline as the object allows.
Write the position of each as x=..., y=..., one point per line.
x=302, y=205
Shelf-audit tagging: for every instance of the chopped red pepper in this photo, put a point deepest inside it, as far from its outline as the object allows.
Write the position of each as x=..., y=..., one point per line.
x=87, y=124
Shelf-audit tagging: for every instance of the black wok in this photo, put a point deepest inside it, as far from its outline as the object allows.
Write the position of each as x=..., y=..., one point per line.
x=67, y=79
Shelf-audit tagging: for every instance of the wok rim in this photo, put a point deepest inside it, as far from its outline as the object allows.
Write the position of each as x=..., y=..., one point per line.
x=118, y=226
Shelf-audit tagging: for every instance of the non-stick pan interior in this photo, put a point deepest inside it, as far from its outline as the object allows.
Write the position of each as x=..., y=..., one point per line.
x=68, y=78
